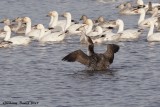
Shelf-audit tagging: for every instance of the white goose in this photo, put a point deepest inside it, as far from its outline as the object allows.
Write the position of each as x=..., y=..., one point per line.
x=153, y=37
x=83, y=18
x=20, y=29
x=73, y=28
x=55, y=36
x=129, y=33
x=34, y=33
x=142, y=22
x=59, y=25
x=54, y=23
x=17, y=40
x=7, y=21
x=98, y=30
x=105, y=23
x=86, y=30
x=141, y=3
x=121, y=35
x=126, y=9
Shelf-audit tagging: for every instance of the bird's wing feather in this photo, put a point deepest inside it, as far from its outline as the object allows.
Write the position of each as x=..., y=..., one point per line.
x=78, y=56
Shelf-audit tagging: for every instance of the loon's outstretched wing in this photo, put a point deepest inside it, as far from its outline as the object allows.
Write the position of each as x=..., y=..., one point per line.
x=78, y=56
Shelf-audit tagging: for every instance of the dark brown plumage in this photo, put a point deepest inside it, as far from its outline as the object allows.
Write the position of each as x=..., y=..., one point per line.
x=93, y=61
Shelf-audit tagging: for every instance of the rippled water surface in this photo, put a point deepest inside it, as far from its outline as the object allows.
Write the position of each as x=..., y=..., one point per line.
x=36, y=72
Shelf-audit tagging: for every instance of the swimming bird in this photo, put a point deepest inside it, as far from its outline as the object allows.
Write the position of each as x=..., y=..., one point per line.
x=60, y=25
x=7, y=21
x=128, y=34
x=97, y=31
x=121, y=35
x=141, y=4
x=101, y=21
x=20, y=29
x=85, y=30
x=126, y=9
x=83, y=18
x=16, y=40
x=52, y=37
x=142, y=22
x=94, y=61
x=31, y=31
x=153, y=37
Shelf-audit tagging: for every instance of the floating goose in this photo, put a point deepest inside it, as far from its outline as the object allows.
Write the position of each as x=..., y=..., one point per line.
x=73, y=28
x=7, y=21
x=98, y=30
x=128, y=34
x=93, y=61
x=54, y=22
x=16, y=40
x=126, y=9
x=153, y=37
x=142, y=22
x=146, y=6
x=59, y=25
x=52, y=37
x=121, y=35
x=108, y=36
x=85, y=30
x=140, y=2
x=104, y=23
x=31, y=32
x=83, y=18
x=20, y=29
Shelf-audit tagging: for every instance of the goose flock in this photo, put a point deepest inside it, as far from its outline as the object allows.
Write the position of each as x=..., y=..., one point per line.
x=20, y=31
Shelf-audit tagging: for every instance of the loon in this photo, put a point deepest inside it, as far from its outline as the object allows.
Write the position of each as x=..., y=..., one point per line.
x=94, y=61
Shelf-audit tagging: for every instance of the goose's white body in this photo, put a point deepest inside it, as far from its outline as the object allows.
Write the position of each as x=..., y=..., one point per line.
x=109, y=36
x=142, y=22
x=33, y=33
x=52, y=37
x=73, y=29
x=2, y=35
x=141, y=2
x=127, y=10
x=59, y=25
x=122, y=34
x=129, y=33
x=153, y=37
x=86, y=30
x=55, y=36
x=98, y=31
x=20, y=29
x=16, y=40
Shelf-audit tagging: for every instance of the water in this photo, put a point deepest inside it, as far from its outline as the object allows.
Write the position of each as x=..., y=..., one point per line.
x=36, y=72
